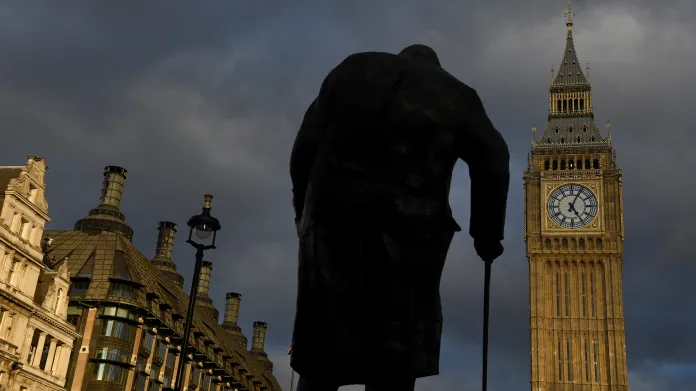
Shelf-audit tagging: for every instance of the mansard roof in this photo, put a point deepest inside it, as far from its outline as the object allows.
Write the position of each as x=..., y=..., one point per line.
x=108, y=257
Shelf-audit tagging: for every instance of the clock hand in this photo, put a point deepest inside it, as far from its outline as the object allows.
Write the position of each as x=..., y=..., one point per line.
x=571, y=207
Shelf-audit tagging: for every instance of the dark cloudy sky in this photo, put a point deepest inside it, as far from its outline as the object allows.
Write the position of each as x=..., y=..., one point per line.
x=208, y=97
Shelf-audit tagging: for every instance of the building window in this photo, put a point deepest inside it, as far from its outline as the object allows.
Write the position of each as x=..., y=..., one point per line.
x=79, y=287
x=599, y=243
x=547, y=164
x=117, y=329
x=195, y=376
x=595, y=162
x=584, y=295
x=569, y=362
x=140, y=375
x=566, y=291
x=169, y=367
x=206, y=382
x=148, y=341
x=558, y=293
x=155, y=385
x=108, y=372
x=559, y=356
x=74, y=315
x=592, y=294
x=587, y=361
x=112, y=354
x=596, y=367
x=161, y=349
x=555, y=164
x=119, y=313
x=120, y=289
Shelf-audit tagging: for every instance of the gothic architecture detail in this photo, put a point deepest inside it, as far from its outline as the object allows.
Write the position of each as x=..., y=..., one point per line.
x=130, y=311
x=574, y=233
x=36, y=339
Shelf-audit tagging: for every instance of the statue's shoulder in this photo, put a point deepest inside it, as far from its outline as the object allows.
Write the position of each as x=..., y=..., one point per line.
x=368, y=58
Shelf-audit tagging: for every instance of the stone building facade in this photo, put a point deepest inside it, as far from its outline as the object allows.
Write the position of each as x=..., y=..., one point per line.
x=574, y=233
x=130, y=310
x=36, y=340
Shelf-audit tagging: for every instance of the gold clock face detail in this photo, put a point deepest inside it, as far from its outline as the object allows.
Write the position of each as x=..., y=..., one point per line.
x=572, y=206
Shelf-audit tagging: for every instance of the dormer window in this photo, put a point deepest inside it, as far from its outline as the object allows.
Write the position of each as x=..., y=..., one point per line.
x=556, y=129
x=577, y=139
x=570, y=129
x=584, y=128
x=562, y=140
x=592, y=139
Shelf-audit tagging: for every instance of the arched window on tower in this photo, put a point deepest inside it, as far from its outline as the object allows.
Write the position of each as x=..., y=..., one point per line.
x=582, y=104
x=581, y=243
x=547, y=244
x=577, y=139
x=563, y=164
x=559, y=105
x=565, y=105
x=592, y=139
x=576, y=105
x=555, y=164
x=599, y=243
x=547, y=164
x=595, y=164
x=587, y=164
x=571, y=164
x=570, y=129
x=562, y=140
x=584, y=128
x=557, y=129
x=564, y=243
x=579, y=164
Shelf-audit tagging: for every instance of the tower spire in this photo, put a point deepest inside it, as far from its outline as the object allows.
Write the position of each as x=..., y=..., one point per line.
x=569, y=16
x=571, y=118
x=570, y=72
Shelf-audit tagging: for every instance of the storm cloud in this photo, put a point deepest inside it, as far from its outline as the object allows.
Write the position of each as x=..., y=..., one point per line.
x=207, y=97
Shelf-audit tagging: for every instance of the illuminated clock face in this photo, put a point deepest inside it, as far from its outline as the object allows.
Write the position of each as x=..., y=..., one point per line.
x=572, y=206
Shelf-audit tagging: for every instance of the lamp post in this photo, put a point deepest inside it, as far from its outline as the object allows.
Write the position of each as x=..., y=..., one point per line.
x=202, y=226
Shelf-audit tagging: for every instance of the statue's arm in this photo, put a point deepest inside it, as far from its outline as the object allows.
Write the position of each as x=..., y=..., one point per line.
x=483, y=148
x=304, y=151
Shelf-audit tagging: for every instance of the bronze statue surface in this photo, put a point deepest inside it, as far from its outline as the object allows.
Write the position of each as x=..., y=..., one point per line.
x=371, y=169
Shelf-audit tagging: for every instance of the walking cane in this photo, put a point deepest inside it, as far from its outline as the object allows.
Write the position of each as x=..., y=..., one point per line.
x=486, y=301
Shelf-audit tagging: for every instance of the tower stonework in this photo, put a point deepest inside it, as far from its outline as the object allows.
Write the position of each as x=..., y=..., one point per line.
x=574, y=236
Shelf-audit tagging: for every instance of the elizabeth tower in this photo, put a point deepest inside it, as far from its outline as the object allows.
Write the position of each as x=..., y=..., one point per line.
x=574, y=236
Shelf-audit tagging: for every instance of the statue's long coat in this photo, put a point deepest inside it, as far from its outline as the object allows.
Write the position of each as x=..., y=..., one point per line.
x=371, y=169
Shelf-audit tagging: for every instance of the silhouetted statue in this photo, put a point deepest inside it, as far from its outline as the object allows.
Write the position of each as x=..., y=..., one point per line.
x=371, y=169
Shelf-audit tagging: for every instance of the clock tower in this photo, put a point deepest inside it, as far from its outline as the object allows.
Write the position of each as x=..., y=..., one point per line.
x=574, y=237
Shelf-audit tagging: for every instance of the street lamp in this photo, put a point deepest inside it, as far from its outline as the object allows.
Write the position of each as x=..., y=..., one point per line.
x=202, y=226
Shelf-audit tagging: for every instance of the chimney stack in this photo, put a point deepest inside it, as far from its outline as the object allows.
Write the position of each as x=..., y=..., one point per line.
x=258, y=340
x=230, y=323
x=202, y=298
x=165, y=240
x=163, y=252
x=204, y=282
x=107, y=217
x=112, y=188
x=232, y=301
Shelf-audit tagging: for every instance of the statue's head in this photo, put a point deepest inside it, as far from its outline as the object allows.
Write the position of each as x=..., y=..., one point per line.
x=422, y=53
